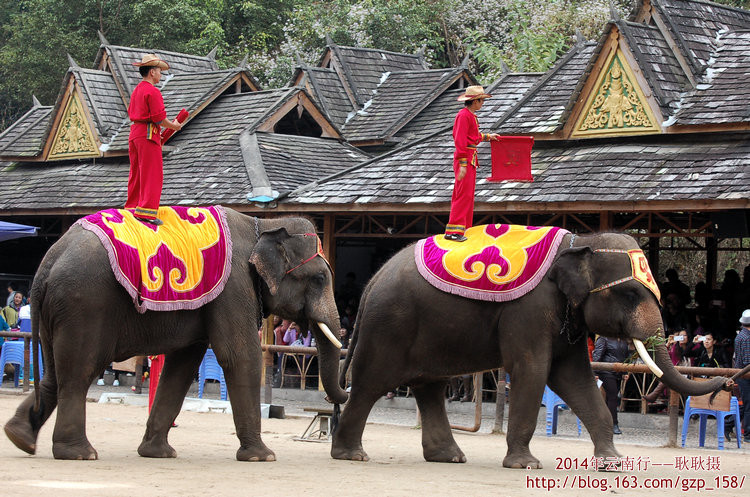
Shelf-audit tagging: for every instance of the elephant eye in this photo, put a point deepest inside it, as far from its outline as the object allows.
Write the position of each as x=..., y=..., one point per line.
x=320, y=278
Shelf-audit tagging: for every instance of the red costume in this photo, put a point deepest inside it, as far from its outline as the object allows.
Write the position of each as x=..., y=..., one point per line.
x=146, y=110
x=466, y=137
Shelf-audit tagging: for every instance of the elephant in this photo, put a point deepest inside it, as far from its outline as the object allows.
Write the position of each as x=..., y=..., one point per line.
x=84, y=320
x=410, y=333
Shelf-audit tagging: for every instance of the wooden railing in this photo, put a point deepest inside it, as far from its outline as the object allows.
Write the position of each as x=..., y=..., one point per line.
x=26, y=353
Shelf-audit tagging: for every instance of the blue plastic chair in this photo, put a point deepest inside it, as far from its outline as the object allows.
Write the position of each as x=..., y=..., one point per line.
x=12, y=353
x=734, y=410
x=25, y=325
x=553, y=403
x=210, y=370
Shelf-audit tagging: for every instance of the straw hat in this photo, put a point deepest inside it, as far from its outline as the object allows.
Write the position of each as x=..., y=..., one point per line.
x=473, y=93
x=150, y=59
x=745, y=318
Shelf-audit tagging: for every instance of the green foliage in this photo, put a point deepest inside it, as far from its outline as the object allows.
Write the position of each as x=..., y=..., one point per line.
x=527, y=35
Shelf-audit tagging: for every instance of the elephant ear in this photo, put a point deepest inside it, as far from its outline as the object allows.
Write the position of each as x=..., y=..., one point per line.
x=572, y=273
x=270, y=258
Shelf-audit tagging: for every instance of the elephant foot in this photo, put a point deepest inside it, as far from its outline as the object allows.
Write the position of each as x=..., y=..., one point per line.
x=450, y=454
x=350, y=454
x=611, y=459
x=156, y=450
x=74, y=452
x=255, y=454
x=22, y=435
x=521, y=461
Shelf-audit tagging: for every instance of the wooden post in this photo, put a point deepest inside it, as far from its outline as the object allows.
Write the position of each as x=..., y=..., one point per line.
x=674, y=408
x=712, y=254
x=500, y=402
x=26, y=364
x=653, y=255
x=268, y=338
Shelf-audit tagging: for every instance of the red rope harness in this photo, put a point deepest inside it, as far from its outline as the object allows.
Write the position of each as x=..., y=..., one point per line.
x=316, y=254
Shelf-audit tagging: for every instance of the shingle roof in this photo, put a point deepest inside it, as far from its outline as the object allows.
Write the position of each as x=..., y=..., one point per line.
x=330, y=94
x=24, y=138
x=696, y=24
x=179, y=63
x=544, y=107
x=366, y=66
x=103, y=100
x=644, y=169
x=398, y=97
x=658, y=62
x=724, y=97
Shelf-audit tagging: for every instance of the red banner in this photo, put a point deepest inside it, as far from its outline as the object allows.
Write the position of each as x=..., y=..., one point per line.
x=181, y=117
x=511, y=158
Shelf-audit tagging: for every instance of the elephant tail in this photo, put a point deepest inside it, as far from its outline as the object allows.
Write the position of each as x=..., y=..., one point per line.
x=38, y=291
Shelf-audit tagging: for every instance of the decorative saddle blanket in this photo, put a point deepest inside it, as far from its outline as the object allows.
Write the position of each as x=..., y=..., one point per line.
x=498, y=262
x=182, y=264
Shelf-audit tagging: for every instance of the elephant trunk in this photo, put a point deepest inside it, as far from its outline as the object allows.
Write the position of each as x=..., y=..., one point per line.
x=676, y=381
x=329, y=355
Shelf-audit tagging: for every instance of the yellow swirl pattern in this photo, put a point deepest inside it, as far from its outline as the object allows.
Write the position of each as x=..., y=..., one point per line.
x=185, y=240
x=512, y=246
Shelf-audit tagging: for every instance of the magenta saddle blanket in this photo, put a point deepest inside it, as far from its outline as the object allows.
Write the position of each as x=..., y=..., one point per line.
x=182, y=264
x=498, y=262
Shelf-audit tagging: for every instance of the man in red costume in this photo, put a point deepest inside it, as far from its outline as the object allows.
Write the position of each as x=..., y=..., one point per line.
x=147, y=112
x=466, y=137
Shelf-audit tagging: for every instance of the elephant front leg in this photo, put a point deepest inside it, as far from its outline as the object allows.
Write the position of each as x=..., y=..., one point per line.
x=176, y=376
x=438, y=444
x=243, y=388
x=525, y=400
x=572, y=380
x=347, y=437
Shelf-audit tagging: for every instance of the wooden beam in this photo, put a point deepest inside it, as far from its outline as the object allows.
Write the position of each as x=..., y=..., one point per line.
x=329, y=240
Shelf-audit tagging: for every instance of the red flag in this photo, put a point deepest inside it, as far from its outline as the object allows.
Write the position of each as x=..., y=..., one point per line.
x=181, y=117
x=511, y=158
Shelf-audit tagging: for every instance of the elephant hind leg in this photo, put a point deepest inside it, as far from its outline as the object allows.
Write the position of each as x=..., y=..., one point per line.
x=438, y=444
x=23, y=428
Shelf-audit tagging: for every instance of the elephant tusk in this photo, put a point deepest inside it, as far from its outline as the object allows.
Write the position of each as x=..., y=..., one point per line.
x=647, y=358
x=327, y=332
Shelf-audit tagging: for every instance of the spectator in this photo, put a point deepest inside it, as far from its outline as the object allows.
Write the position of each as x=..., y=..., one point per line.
x=349, y=292
x=673, y=315
x=11, y=292
x=702, y=297
x=709, y=354
x=679, y=347
x=4, y=327
x=25, y=311
x=467, y=381
x=611, y=350
x=742, y=359
x=674, y=286
x=731, y=290
x=115, y=383
x=10, y=313
x=347, y=323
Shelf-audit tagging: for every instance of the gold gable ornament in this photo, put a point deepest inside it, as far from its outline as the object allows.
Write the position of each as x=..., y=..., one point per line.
x=73, y=138
x=617, y=106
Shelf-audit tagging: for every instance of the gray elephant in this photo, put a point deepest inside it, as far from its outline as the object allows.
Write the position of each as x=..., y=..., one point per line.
x=85, y=320
x=410, y=333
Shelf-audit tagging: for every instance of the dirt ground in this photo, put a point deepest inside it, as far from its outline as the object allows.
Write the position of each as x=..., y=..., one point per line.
x=205, y=465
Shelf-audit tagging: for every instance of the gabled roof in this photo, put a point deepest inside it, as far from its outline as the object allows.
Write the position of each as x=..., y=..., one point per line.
x=102, y=98
x=725, y=95
x=24, y=138
x=543, y=109
x=399, y=96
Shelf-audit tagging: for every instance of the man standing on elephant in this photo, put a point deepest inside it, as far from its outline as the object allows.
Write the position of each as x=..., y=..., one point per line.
x=742, y=359
x=466, y=137
x=147, y=112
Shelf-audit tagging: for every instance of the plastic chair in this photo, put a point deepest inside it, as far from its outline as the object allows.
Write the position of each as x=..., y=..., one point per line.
x=553, y=403
x=734, y=410
x=12, y=353
x=25, y=325
x=210, y=370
